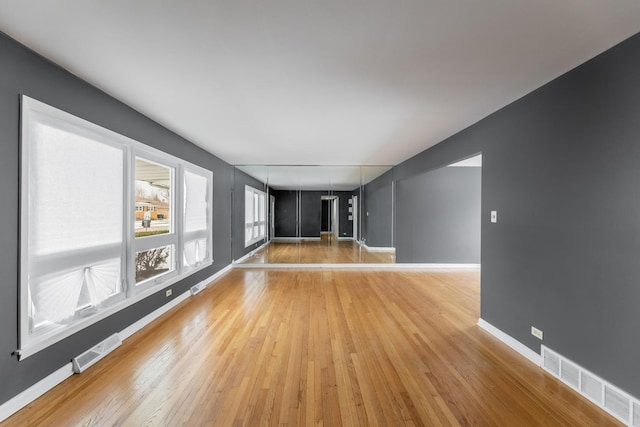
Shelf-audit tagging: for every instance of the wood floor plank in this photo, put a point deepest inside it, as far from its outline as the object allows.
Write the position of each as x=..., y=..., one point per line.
x=317, y=348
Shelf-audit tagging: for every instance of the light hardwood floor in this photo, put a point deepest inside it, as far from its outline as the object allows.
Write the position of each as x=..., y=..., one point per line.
x=325, y=251
x=317, y=348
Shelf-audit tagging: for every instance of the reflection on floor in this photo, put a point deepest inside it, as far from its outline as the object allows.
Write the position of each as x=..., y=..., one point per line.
x=327, y=250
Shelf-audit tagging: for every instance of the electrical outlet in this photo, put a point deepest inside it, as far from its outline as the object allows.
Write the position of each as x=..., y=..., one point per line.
x=536, y=332
x=168, y=292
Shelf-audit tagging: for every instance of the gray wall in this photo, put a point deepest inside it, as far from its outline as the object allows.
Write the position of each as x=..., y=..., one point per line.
x=377, y=212
x=561, y=167
x=310, y=213
x=439, y=216
x=240, y=179
x=285, y=216
x=23, y=72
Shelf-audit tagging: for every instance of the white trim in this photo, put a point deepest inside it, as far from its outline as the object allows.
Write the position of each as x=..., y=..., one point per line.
x=21, y=400
x=429, y=266
x=295, y=239
x=378, y=249
x=340, y=238
x=511, y=342
x=250, y=254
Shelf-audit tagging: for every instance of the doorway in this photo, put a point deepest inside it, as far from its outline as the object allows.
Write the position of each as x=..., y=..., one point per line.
x=354, y=216
x=330, y=225
x=272, y=217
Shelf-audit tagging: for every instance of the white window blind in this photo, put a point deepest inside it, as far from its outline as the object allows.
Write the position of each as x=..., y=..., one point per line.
x=75, y=210
x=197, y=221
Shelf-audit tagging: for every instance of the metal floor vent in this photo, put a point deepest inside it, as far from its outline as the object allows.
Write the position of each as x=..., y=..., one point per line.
x=91, y=356
x=608, y=397
x=197, y=288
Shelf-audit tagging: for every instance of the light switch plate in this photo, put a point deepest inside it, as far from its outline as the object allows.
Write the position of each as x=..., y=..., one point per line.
x=494, y=216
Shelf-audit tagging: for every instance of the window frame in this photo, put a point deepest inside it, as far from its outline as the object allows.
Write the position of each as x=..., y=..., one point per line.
x=141, y=244
x=259, y=216
x=33, y=112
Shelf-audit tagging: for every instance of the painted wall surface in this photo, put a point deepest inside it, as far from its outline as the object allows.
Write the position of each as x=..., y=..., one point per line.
x=440, y=216
x=310, y=213
x=377, y=213
x=23, y=72
x=286, y=213
x=561, y=167
x=240, y=180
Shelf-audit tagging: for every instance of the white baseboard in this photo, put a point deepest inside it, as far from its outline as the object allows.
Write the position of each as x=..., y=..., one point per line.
x=21, y=400
x=511, y=342
x=295, y=239
x=344, y=238
x=436, y=266
x=378, y=249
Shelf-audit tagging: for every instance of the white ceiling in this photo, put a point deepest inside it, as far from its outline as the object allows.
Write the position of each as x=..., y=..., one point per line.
x=337, y=82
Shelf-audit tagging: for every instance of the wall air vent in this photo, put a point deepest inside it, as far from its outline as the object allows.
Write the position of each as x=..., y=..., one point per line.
x=608, y=397
x=94, y=354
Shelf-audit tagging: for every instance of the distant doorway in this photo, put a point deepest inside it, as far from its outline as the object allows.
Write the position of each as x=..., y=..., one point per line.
x=330, y=225
x=354, y=217
x=272, y=217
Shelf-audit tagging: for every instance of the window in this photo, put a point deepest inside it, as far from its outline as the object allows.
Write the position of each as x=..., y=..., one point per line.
x=197, y=219
x=155, y=237
x=100, y=225
x=255, y=215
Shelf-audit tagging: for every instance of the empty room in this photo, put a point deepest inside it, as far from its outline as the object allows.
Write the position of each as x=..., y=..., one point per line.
x=320, y=213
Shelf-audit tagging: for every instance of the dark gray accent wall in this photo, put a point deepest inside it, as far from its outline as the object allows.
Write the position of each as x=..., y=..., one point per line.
x=561, y=167
x=310, y=213
x=377, y=213
x=240, y=180
x=23, y=72
x=285, y=215
x=439, y=216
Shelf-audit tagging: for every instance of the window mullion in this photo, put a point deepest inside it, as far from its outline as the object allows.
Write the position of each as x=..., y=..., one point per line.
x=129, y=223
